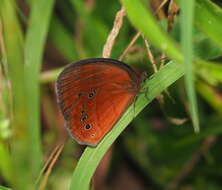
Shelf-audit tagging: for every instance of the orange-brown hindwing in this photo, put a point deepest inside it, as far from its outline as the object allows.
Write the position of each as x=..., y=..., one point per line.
x=93, y=95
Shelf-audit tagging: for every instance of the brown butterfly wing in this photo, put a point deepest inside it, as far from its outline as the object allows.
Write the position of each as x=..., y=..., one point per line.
x=93, y=94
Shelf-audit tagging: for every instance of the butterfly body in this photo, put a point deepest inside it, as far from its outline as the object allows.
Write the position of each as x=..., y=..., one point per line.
x=93, y=94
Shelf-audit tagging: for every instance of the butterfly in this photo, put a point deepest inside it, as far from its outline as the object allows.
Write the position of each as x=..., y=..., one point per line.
x=93, y=94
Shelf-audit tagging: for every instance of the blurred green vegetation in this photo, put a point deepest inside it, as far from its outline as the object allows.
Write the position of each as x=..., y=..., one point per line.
x=158, y=149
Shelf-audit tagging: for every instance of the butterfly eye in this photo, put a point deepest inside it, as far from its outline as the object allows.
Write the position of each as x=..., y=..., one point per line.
x=84, y=118
x=91, y=95
x=87, y=126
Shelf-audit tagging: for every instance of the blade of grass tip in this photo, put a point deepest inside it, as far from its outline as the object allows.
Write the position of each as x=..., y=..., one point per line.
x=187, y=15
x=34, y=45
x=92, y=156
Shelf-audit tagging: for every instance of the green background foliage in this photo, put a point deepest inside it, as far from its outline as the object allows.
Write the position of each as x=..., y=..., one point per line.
x=169, y=138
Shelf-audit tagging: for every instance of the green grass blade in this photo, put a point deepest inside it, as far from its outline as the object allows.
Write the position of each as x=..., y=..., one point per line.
x=187, y=12
x=13, y=43
x=34, y=47
x=208, y=17
x=92, y=156
x=143, y=20
x=91, y=26
x=63, y=40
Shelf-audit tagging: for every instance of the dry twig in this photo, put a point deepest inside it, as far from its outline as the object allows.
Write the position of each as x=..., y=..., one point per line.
x=130, y=45
x=161, y=6
x=50, y=163
x=137, y=35
x=114, y=32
